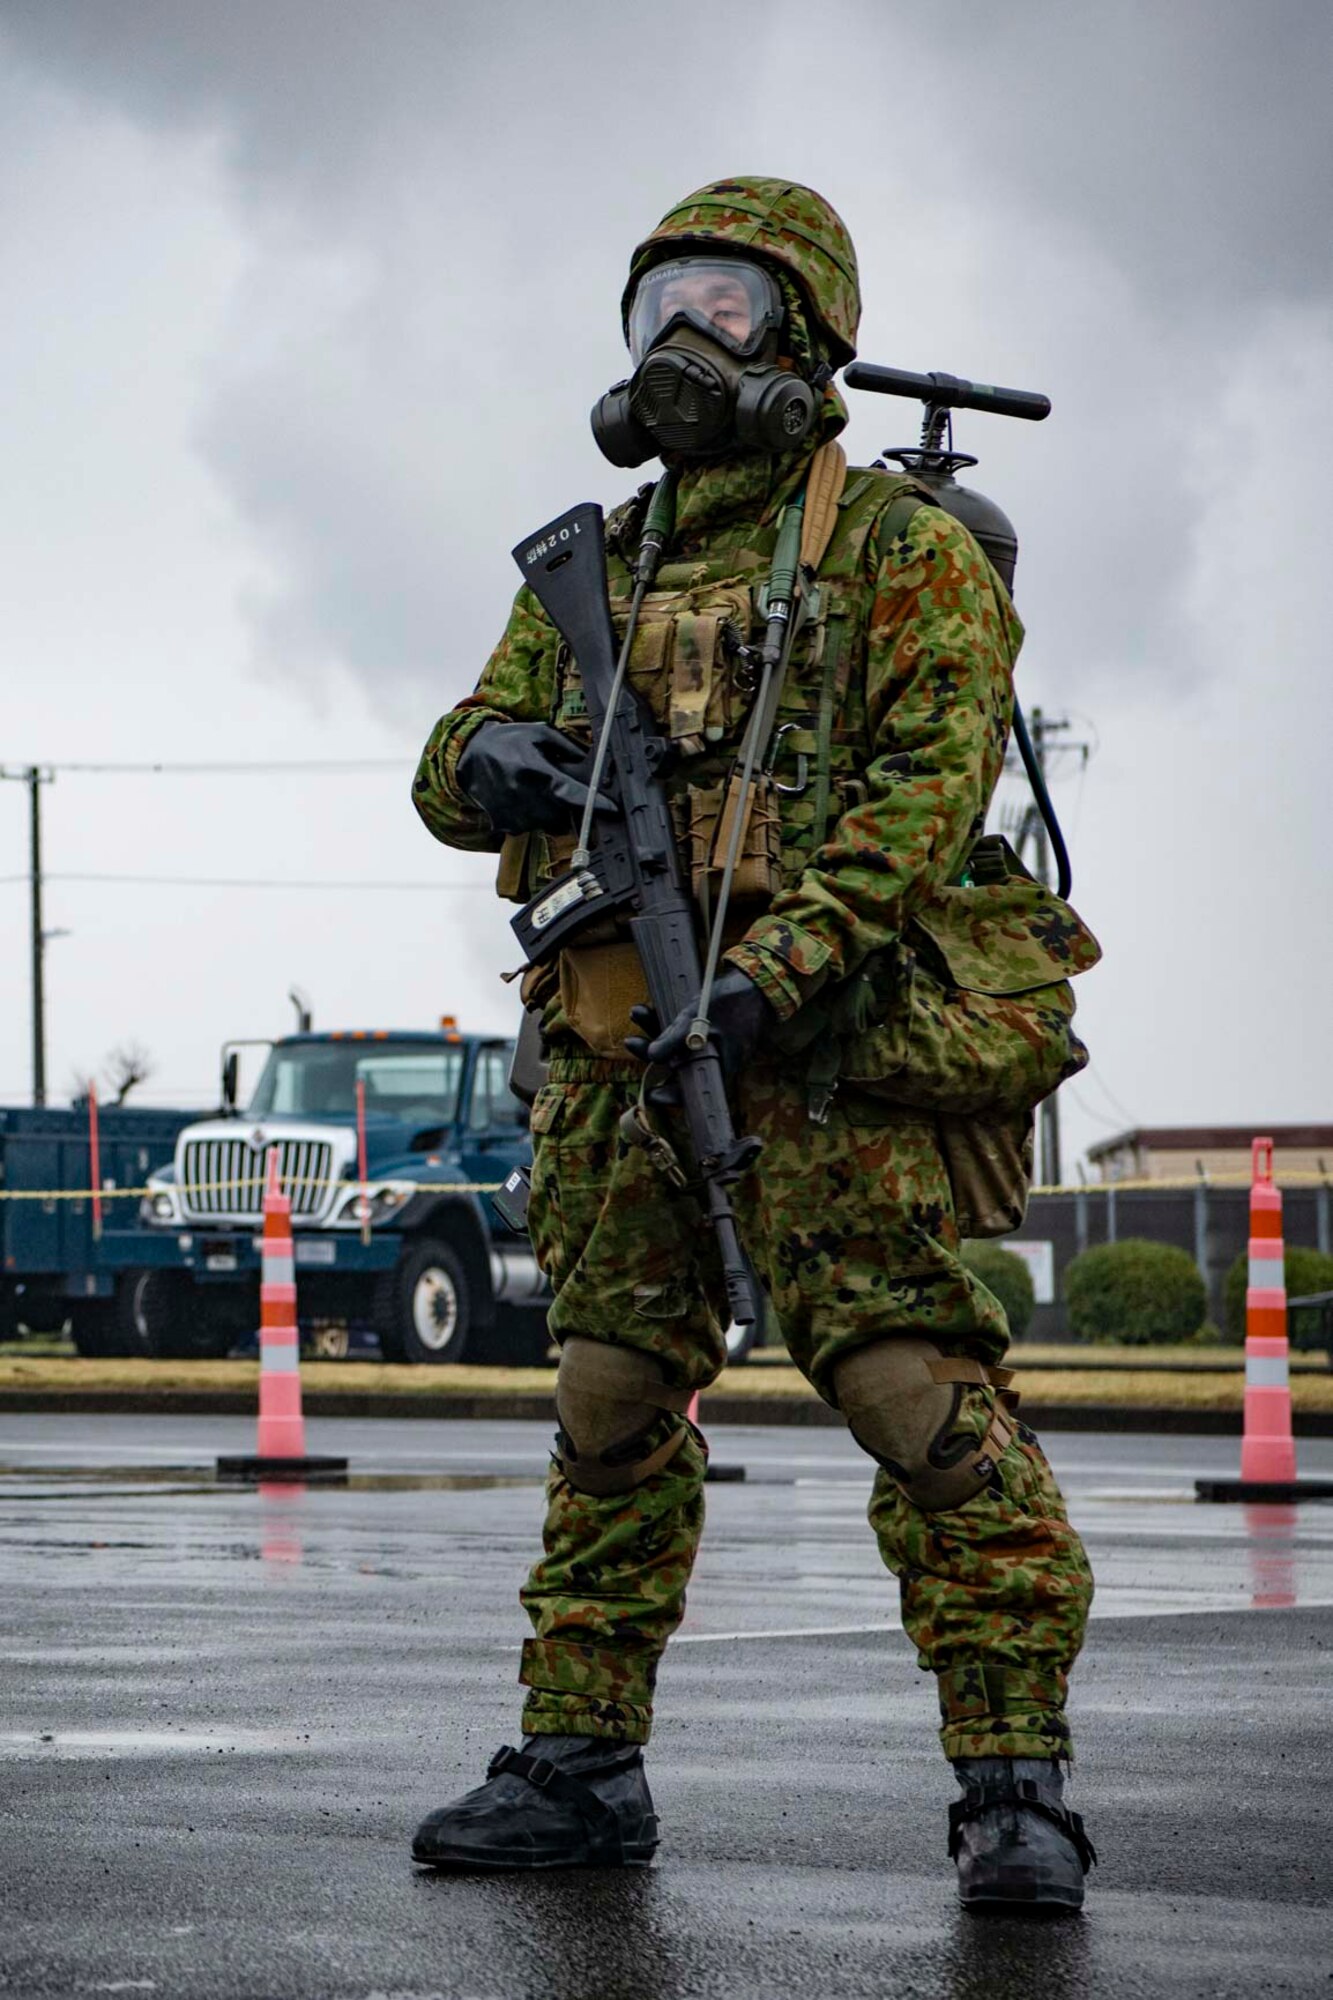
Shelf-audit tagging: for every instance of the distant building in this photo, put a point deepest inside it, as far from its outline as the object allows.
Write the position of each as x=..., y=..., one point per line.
x=1179, y=1152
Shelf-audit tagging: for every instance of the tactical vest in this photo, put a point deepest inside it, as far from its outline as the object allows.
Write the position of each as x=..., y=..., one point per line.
x=688, y=663
x=968, y=1017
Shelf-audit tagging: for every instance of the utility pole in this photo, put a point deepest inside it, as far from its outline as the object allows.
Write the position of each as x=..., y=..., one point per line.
x=38, y=936
x=34, y=777
x=1041, y=728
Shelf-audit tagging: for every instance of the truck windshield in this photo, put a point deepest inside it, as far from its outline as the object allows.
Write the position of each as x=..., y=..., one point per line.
x=415, y=1081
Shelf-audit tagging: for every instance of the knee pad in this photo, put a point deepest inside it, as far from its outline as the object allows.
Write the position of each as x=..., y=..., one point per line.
x=609, y=1401
x=902, y=1400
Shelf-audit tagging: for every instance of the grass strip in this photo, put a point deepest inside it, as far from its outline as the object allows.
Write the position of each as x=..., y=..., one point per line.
x=1312, y=1391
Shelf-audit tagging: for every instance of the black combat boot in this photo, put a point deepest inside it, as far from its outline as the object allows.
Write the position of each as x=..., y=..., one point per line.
x=559, y=1802
x=1017, y=1845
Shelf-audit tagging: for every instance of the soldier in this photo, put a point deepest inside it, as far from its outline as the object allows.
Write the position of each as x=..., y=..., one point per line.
x=888, y=742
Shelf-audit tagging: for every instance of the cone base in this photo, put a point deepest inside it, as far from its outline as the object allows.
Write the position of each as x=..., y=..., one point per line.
x=293, y=1471
x=282, y=1434
x=1263, y=1489
x=1268, y=1461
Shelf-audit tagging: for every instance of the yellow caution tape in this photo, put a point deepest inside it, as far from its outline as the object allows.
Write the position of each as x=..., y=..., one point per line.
x=1297, y=1176
x=1241, y=1177
x=223, y=1187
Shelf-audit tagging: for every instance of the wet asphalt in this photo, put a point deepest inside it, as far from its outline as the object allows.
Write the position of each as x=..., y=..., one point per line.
x=222, y=1713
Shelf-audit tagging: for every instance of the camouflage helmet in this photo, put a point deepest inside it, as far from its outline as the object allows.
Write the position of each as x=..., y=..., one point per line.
x=782, y=223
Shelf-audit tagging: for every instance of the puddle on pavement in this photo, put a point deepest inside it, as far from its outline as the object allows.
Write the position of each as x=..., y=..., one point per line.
x=147, y=1742
x=1270, y=1532
x=65, y=1481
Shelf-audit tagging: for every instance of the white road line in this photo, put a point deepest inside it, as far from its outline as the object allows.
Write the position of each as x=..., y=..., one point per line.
x=795, y=1632
x=1165, y=1606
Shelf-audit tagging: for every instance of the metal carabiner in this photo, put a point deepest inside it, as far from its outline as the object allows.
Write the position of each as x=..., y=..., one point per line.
x=802, y=764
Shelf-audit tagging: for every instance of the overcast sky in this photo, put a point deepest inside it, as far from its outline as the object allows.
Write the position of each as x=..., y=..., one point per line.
x=306, y=303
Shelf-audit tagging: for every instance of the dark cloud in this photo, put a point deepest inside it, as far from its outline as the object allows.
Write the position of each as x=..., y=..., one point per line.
x=1191, y=139
x=379, y=281
x=1098, y=202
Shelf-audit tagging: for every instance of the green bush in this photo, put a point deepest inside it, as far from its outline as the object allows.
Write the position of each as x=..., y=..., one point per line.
x=1135, y=1291
x=1010, y=1280
x=1303, y=1271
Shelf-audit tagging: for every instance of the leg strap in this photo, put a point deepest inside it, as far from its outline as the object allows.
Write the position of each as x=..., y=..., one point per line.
x=916, y=1411
x=1000, y=1431
x=1021, y=1795
x=604, y=1837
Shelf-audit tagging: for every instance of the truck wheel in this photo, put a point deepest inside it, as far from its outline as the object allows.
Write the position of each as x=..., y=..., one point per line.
x=93, y=1328
x=161, y=1314
x=42, y=1313
x=422, y=1310
x=517, y=1339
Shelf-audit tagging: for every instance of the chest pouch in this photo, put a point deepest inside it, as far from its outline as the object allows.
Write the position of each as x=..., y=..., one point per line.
x=688, y=664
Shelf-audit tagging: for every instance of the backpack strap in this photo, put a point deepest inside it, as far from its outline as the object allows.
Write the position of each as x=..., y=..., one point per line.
x=823, y=491
x=905, y=497
x=897, y=515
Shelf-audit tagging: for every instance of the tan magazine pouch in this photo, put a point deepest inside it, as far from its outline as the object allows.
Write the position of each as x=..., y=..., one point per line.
x=599, y=983
x=990, y=1170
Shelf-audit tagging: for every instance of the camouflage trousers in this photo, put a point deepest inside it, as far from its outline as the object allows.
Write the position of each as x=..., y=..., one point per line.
x=850, y=1225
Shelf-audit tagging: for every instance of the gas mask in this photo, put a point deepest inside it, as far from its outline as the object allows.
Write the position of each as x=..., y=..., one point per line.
x=703, y=337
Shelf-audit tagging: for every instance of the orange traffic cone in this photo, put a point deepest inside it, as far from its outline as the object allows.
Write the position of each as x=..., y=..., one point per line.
x=281, y=1422
x=1268, y=1449
x=282, y=1452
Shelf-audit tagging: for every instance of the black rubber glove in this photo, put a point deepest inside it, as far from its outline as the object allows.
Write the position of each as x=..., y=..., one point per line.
x=738, y=1015
x=526, y=775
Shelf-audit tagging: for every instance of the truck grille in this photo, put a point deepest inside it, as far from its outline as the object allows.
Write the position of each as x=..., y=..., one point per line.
x=224, y=1178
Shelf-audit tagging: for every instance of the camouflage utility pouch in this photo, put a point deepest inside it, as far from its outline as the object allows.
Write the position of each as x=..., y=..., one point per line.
x=970, y=1016
x=975, y=1010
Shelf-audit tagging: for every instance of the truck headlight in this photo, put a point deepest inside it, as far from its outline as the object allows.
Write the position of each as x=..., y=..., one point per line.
x=160, y=1207
x=372, y=1204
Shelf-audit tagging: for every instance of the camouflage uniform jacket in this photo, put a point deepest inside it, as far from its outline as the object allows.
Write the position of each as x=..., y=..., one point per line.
x=908, y=672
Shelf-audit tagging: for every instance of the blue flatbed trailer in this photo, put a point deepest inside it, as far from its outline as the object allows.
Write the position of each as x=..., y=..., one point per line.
x=55, y=1267
x=389, y=1144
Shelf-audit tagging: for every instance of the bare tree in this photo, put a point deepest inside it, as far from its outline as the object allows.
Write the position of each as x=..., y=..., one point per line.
x=127, y=1065
x=80, y=1086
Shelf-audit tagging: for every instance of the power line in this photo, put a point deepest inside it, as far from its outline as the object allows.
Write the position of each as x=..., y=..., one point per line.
x=249, y=882
x=1094, y=1075
x=333, y=767
x=1090, y=1111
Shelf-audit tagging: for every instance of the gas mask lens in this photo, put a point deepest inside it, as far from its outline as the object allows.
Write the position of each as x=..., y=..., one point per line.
x=731, y=300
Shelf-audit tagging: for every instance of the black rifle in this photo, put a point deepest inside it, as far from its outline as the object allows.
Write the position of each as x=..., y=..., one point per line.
x=633, y=869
